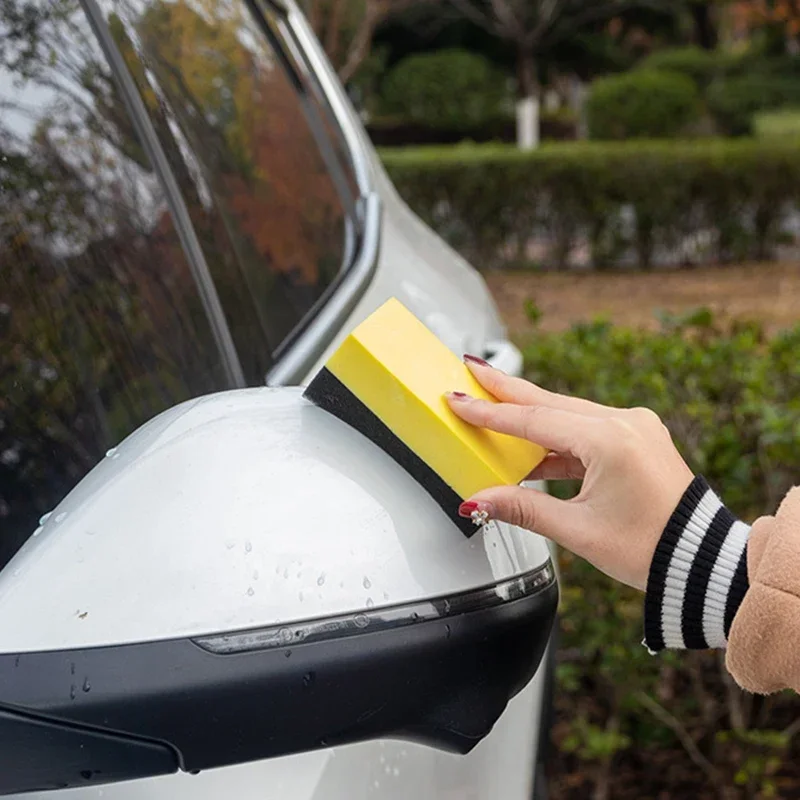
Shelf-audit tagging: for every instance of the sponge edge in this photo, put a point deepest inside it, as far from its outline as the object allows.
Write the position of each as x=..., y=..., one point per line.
x=327, y=392
x=388, y=379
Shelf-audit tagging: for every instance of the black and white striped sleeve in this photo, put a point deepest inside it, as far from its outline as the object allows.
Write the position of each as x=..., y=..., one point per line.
x=698, y=576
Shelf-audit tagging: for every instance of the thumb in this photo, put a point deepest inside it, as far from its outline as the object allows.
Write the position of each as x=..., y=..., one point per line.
x=531, y=509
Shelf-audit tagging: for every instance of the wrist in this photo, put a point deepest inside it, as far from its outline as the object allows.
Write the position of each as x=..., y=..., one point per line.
x=698, y=575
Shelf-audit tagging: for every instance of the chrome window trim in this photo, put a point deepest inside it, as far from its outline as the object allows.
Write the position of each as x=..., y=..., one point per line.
x=333, y=93
x=331, y=312
x=381, y=619
x=329, y=315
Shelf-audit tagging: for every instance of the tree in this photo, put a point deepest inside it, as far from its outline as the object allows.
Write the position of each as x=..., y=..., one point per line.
x=346, y=28
x=704, y=22
x=782, y=16
x=531, y=27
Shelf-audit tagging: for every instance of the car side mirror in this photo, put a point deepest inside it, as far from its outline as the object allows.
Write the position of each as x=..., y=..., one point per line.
x=247, y=577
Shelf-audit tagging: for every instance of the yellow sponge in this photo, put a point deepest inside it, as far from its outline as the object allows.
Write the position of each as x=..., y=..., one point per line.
x=388, y=380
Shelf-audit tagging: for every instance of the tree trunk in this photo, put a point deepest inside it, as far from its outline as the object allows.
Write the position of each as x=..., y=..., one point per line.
x=705, y=30
x=527, y=102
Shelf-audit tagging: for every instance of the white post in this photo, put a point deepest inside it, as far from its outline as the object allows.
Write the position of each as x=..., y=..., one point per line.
x=528, y=123
x=578, y=93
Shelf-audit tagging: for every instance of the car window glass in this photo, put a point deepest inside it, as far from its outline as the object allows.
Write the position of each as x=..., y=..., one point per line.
x=251, y=147
x=101, y=326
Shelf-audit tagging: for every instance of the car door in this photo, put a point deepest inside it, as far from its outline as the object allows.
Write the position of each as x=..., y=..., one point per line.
x=167, y=237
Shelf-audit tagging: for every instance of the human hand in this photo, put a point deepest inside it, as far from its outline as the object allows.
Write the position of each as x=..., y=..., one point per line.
x=633, y=477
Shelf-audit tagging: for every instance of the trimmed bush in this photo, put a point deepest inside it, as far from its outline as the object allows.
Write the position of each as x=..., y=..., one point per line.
x=451, y=89
x=731, y=399
x=607, y=204
x=643, y=103
x=733, y=102
x=702, y=66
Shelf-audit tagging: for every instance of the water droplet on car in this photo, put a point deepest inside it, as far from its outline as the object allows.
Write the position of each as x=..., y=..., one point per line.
x=382, y=759
x=395, y=771
x=248, y=547
x=446, y=631
x=446, y=606
x=87, y=687
x=300, y=596
x=111, y=452
x=370, y=602
x=17, y=572
x=230, y=544
x=286, y=573
x=386, y=595
x=60, y=517
x=361, y=620
x=377, y=784
x=72, y=692
x=45, y=517
x=367, y=582
x=308, y=680
x=321, y=579
x=38, y=531
x=72, y=669
x=288, y=654
x=255, y=574
x=387, y=769
x=341, y=584
x=285, y=635
x=250, y=591
x=278, y=570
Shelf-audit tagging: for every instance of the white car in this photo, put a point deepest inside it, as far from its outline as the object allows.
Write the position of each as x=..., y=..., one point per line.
x=208, y=587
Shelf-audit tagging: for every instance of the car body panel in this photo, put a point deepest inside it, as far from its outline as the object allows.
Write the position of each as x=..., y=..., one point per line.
x=415, y=266
x=293, y=516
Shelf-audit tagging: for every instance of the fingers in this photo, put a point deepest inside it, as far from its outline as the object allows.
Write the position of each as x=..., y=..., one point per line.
x=553, y=428
x=558, y=520
x=557, y=467
x=517, y=390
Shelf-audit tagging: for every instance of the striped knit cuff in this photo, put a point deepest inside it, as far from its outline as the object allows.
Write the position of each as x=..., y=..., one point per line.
x=698, y=576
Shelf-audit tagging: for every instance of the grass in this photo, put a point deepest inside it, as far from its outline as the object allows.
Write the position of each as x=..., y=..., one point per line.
x=777, y=124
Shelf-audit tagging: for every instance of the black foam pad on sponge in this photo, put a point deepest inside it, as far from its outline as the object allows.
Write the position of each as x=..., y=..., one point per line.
x=330, y=394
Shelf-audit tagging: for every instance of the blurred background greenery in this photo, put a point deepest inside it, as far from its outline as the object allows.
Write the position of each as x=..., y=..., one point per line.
x=627, y=175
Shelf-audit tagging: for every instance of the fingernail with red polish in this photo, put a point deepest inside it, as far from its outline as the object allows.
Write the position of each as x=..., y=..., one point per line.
x=476, y=360
x=460, y=396
x=480, y=512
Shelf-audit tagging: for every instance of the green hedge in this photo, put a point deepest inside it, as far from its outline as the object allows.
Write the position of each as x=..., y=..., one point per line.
x=734, y=102
x=609, y=204
x=451, y=89
x=731, y=399
x=643, y=103
x=702, y=66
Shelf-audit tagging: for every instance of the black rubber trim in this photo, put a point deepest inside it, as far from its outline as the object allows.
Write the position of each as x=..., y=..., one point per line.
x=443, y=683
x=330, y=394
x=40, y=754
